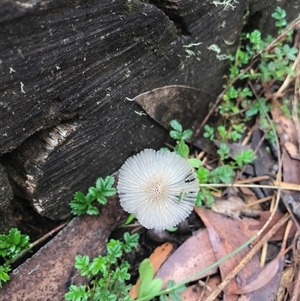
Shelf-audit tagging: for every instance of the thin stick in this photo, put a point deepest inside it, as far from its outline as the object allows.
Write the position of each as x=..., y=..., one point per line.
x=249, y=205
x=283, y=185
x=253, y=180
x=38, y=241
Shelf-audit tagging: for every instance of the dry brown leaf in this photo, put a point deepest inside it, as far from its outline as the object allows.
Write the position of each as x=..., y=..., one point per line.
x=194, y=255
x=251, y=226
x=288, y=137
x=285, y=126
x=291, y=173
x=191, y=293
x=225, y=236
x=292, y=150
x=263, y=278
x=178, y=102
x=291, y=169
x=228, y=206
x=233, y=206
x=157, y=258
x=175, y=102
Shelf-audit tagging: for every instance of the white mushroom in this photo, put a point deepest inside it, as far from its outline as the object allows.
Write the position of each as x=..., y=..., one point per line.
x=158, y=187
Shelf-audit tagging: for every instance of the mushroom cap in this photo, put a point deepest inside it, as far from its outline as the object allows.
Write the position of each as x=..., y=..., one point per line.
x=158, y=187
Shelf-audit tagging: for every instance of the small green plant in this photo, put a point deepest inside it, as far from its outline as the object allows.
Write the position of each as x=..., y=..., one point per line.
x=224, y=173
x=109, y=273
x=82, y=204
x=279, y=15
x=181, y=136
x=245, y=157
x=11, y=246
x=209, y=132
x=147, y=285
x=261, y=60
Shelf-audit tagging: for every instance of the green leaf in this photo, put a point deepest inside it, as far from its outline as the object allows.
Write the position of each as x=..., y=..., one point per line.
x=82, y=264
x=222, y=132
x=223, y=151
x=101, y=199
x=114, y=248
x=204, y=197
x=174, y=296
x=12, y=244
x=121, y=274
x=163, y=298
x=147, y=285
x=15, y=236
x=182, y=149
x=176, y=125
x=222, y=174
x=209, y=132
x=98, y=265
x=82, y=204
x=146, y=270
x=79, y=196
x=129, y=219
x=187, y=134
x=131, y=240
x=202, y=174
x=105, y=188
x=234, y=135
x=254, y=37
x=109, y=181
x=92, y=210
x=290, y=52
x=279, y=13
x=4, y=277
x=173, y=229
x=245, y=157
x=176, y=135
x=194, y=162
x=77, y=293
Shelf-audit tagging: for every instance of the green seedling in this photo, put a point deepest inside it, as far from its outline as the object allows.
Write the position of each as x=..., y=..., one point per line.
x=11, y=246
x=147, y=285
x=82, y=204
x=109, y=273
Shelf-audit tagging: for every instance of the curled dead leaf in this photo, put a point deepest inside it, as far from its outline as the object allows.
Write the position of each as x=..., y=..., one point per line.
x=263, y=278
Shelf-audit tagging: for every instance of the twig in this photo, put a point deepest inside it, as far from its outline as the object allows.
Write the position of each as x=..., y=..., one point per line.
x=253, y=180
x=263, y=200
x=282, y=185
x=37, y=242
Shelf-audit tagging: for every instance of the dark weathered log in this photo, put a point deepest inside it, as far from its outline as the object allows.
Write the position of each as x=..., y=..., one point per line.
x=67, y=68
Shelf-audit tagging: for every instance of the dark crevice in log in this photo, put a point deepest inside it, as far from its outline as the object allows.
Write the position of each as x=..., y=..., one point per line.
x=170, y=8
